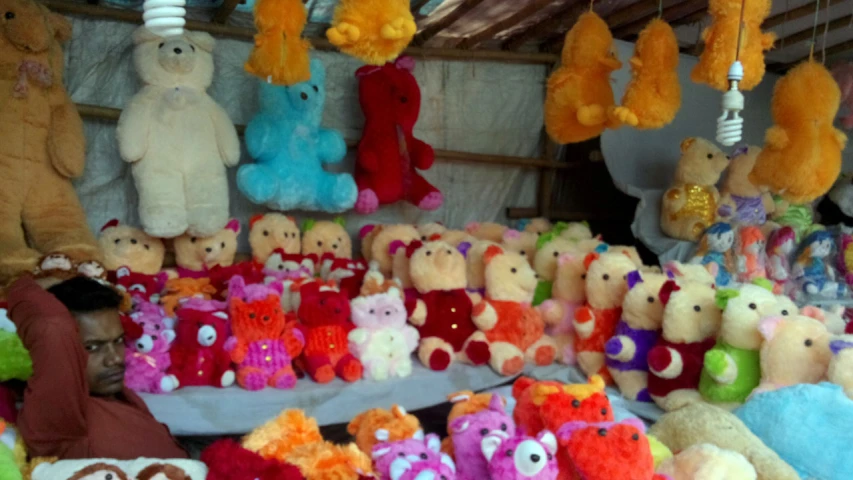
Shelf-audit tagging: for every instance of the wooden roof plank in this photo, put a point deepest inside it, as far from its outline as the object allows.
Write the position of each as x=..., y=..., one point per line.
x=547, y=24
x=488, y=33
x=434, y=28
x=789, y=16
x=806, y=33
x=672, y=15
x=224, y=11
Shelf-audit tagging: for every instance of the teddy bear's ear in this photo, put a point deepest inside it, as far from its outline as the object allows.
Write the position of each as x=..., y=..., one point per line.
x=587, y=261
x=255, y=219
x=490, y=446
x=143, y=35
x=768, y=327
x=202, y=40
x=308, y=224
x=62, y=29
x=365, y=230
x=491, y=253
x=511, y=235
x=687, y=143
x=472, y=227
x=548, y=439
x=340, y=221
x=233, y=225
x=112, y=223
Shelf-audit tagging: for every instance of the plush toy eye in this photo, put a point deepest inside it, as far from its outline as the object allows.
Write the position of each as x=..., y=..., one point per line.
x=403, y=99
x=401, y=454
x=161, y=45
x=117, y=241
x=784, y=312
x=522, y=252
x=576, y=403
x=423, y=238
x=583, y=276
x=319, y=244
x=281, y=267
x=388, y=313
x=809, y=342
x=252, y=315
x=266, y=318
x=147, y=247
x=193, y=239
x=304, y=96
x=223, y=244
x=710, y=156
x=635, y=437
x=153, y=337
x=509, y=453
x=604, y=411
x=602, y=432
x=424, y=456
x=316, y=89
x=267, y=233
x=606, y=277
x=752, y=306
x=428, y=253
x=372, y=311
x=556, y=254
x=134, y=241
x=697, y=308
x=514, y=270
x=484, y=432
x=504, y=427
x=651, y=299
x=156, y=327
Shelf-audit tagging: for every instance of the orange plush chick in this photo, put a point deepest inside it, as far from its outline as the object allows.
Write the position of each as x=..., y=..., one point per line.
x=721, y=39
x=653, y=96
x=579, y=92
x=801, y=158
x=374, y=31
x=280, y=55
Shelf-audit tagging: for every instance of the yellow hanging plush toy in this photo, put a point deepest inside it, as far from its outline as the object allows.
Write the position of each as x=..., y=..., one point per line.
x=801, y=158
x=374, y=31
x=721, y=44
x=653, y=96
x=280, y=55
x=579, y=93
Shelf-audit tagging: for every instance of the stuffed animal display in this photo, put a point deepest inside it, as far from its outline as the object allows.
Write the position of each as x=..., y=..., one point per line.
x=290, y=149
x=43, y=143
x=177, y=140
x=375, y=32
x=389, y=155
x=130, y=247
x=280, y=55
x=734, y=33
x=579, y=94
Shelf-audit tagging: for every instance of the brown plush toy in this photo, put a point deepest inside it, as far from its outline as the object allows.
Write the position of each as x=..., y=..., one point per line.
x=41, y=143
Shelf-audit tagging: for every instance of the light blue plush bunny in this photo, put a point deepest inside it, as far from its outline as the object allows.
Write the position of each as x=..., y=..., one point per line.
x=290, y=148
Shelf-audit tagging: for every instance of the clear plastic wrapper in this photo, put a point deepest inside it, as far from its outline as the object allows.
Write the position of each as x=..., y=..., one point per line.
x=781, y=244
x=815, y=271
x=715, y=247
x=751, y=257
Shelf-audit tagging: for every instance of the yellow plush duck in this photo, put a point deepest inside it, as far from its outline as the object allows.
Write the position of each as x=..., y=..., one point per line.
x=579, y=94
x=653, y=96
x=374, y=31
x=801, y=158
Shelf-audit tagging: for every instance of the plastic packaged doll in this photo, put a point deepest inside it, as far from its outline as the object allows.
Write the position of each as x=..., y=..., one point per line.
x=845, y=255
x=780, y=246
x=716, y=247
x=814, y=271
x=751, y=261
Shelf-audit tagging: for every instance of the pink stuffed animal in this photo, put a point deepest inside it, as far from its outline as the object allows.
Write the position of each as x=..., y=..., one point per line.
x=410, y=469
x=468, y=431
x=290, y=271
x=237, y=288
x=147, y=357
x=382, y=339
x=417, y=448
x=843, y=74
x=520, y=457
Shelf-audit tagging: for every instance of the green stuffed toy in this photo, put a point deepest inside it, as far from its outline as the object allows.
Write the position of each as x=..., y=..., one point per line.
x=15, y=362
x=10, y=453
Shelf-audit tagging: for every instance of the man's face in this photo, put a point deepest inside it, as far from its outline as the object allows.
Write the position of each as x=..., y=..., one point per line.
x=103, y=338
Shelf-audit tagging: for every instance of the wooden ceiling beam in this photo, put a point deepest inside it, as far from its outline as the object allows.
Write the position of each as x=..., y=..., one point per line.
x=434, y=28
x=635, y=10
x=836, y=49
x=546, y=24
x=673, y=15
x=488, y=33
x=789, y=16
x=224, y=11
x=806, y=33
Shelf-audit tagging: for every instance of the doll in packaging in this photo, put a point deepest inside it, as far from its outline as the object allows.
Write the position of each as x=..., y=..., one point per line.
x=780, y=246
x=813, y=269
x=715, y=247
x=751, y=261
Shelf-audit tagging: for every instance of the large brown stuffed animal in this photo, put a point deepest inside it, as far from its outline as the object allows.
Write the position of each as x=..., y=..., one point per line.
x=41, y=143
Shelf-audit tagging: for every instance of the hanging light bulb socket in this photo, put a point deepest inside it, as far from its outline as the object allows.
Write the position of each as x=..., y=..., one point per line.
x=730, y=123
x=165, y=18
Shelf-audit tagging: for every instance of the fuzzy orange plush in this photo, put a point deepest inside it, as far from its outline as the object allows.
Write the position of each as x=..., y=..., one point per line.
x=653, y=96
x=579, y=92
x=380, y=425
x=374, y=31
x=280, y=55
x=280, y=436
x=327, y=461
x=721, y=39
x=41, y=143
x=179, y=289
x=801, y=158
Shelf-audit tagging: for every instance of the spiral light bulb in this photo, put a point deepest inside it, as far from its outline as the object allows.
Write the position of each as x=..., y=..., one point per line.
x=165, y=17
x=730, y=123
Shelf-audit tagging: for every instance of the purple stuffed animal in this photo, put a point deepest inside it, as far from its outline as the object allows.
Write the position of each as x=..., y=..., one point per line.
x=520, y=457
x=147, y=357
x=467, y=433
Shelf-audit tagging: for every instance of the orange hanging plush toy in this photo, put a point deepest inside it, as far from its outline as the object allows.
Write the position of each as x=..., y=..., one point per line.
x=653, y=96
x=801, y=158
x=280, y=55
x=579, y=92
x=374, y=31
x=721, y=44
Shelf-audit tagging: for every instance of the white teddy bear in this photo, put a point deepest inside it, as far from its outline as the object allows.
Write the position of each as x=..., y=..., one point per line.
x=178, y=139
x=382, y=340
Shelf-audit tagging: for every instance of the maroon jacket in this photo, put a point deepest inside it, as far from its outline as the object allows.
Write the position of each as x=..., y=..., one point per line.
x=60, y=418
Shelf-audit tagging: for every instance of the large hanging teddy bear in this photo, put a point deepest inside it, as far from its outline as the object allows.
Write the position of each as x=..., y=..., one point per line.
x=389, y=155
x=41, y=143
x=177, y=138
x=290, y=147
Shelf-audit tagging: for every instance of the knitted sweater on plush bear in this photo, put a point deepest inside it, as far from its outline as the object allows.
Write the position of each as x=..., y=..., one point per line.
x=447, y=308
x=747, y=377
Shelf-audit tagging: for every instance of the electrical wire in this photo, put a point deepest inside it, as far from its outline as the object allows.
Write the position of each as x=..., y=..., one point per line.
x=825, y=32
x=740, y=29
x=814, y=29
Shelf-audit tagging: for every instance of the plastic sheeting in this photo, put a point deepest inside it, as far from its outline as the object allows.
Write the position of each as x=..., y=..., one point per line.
x=489, y=108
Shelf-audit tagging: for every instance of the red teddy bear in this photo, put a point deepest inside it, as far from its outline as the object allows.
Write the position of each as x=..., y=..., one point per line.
x=389, y=154
x=325, y=316
x=228, y=460
x=198, y=354
x=139, y=286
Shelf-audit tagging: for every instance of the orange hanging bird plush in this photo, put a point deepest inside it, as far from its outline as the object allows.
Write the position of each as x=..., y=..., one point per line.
x=374, y=31
x=721, y=43
x=653, y=96
x=579, y=92
x=280, y=55
x=801, y=158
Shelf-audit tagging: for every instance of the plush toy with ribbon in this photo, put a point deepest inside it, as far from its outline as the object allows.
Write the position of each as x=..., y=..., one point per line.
x=280, y=55
x=389, y=155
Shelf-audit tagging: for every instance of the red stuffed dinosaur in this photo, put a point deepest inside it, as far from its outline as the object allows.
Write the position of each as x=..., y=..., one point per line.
x=389, y=155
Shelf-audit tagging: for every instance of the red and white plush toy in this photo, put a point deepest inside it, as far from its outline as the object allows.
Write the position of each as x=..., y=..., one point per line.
x=198, y=353
x=389, y=155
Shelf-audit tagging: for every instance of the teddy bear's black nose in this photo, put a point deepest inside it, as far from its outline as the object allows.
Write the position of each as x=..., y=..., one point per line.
x=177, y=50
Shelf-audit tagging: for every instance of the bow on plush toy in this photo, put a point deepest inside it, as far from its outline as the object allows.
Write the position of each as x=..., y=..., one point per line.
x=389, y=155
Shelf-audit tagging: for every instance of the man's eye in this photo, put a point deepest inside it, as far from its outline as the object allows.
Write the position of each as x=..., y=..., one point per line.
x=91, y=348
x=119, y=341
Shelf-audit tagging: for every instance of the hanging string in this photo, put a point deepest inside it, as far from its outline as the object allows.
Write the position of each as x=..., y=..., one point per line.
x=814, y=30
x=591, y=3
x=660, y=8
x=740, y=29
x=825, y=32
x=785, y=24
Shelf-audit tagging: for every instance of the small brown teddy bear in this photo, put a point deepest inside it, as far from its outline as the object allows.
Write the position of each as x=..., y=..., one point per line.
x=270, y=232
x=689, y=207
x=324, y=237
x=126, y=246
x=194, y=254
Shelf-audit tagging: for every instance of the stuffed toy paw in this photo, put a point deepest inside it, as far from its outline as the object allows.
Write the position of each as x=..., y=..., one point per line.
x=375, y=32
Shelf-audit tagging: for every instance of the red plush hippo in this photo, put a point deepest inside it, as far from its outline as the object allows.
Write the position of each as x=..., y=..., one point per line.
x=389, y=155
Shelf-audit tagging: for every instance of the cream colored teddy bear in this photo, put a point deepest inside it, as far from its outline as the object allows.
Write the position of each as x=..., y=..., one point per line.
x=178, y=139
x=568, y=294
x=706, y=461
x=795, y=350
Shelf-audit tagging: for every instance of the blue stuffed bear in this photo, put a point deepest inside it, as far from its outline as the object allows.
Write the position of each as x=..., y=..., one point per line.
x=809, y=426
x=290, y=147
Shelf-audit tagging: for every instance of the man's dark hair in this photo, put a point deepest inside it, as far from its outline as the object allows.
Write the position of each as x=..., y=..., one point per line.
x=84, y=295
